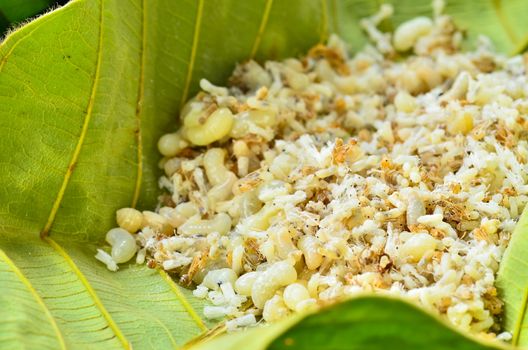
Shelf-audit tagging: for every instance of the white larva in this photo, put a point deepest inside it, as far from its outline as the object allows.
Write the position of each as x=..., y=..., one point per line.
x=244, y=283
x=123, y=245
x=408, y=32
x=129, y=219
x=277, y=275
x=215, y=278
x=294, y=295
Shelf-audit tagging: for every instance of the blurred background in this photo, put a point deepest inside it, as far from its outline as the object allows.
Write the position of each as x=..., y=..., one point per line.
x=13, y=12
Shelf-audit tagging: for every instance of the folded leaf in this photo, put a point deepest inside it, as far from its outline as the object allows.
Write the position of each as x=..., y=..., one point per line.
x=512, y=281
x=85, y=92
x=367, y=322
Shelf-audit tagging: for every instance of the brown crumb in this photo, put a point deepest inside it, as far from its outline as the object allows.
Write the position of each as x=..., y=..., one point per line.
x=343, y=152
x=334, y=58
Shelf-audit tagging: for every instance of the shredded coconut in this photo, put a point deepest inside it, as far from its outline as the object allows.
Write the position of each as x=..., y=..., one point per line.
x=344, y=174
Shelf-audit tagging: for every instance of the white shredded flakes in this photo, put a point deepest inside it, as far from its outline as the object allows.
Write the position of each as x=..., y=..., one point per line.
x=215, y=312
x=141, y=255
x=177, y=260
x=200, y=292
x=106, y=259
x=505, y=336
x=241, y=322
x=341, y=175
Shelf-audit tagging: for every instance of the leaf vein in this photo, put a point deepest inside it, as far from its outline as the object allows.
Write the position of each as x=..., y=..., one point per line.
x=139, y=106
x=42, y=19
x=194, y=49
x=262, y=28
x=37, y=297
x=520, y=320
x=324, y=21
x=84, y=130
x=335, y=25
x=497, y=7
x=185, y=303
x=111, y=323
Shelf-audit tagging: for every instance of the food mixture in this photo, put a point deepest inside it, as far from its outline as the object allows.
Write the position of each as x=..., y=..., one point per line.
x=400, y=170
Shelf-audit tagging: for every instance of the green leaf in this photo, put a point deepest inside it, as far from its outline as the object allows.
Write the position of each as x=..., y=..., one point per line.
x=65, y=298
x=512, y=281
x=85, y=92
x=500, y=20
x=366, y=322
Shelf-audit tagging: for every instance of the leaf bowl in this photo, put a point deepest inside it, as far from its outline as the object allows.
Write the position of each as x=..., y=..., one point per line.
x=85, y=92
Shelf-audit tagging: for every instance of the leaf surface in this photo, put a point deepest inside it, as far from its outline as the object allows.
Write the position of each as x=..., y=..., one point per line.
x=85, y=92
x=365, y=322
x=90, y=304
x=512, y=281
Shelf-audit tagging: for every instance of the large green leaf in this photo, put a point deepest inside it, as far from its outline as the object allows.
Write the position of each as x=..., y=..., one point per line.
x=367, y=322
x=85, y=91
x=512, y=281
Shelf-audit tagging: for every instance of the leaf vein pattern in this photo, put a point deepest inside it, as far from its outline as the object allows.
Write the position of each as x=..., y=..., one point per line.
x=88, y=116
x=97, y=302
x=3, y=60
x=34, y=293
